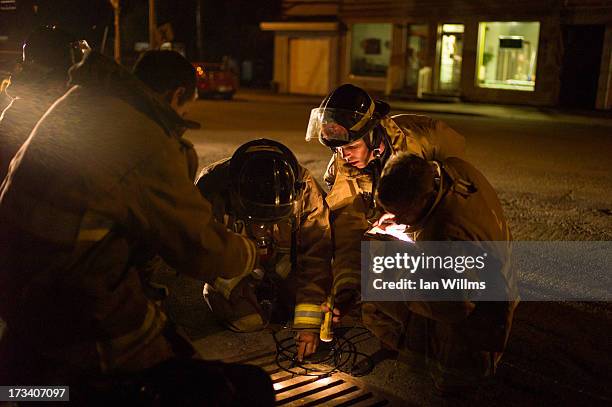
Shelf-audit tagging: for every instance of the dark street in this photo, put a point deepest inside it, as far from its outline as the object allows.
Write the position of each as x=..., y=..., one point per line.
x=554, y=181
x=455, y=251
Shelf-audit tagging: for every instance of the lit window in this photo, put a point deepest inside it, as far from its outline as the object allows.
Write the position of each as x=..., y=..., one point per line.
x=452, y=28
x=507, y=55
x=370, y=49
x=451, y=50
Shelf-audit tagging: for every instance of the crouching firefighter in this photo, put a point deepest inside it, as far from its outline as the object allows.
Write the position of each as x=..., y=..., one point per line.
x=458, y=340
x=363, y=137
x=263, y=192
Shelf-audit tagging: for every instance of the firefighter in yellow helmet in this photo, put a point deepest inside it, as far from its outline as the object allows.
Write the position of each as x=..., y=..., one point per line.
x=362, y=137
x=263, y=193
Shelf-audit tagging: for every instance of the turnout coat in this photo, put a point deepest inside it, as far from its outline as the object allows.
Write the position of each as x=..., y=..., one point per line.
x=351, y=195
x=100, y=186
x=308, y=281
x=461, y=341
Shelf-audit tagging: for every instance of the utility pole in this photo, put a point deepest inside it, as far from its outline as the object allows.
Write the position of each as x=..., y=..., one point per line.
x=117, y=9
x=199, y=44
x=152, y=26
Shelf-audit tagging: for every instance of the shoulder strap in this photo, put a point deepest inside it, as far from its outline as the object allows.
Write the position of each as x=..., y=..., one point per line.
x=458, y=183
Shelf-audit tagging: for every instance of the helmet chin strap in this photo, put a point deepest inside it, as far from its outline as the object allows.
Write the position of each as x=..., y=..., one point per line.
x=376, y=139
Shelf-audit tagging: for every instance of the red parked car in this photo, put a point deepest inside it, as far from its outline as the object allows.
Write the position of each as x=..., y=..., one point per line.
x=215, y=80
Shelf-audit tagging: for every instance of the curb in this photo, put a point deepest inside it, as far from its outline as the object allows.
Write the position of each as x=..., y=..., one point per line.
x=508, y=112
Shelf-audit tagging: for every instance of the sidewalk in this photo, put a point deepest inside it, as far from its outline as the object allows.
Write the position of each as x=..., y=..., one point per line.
x=586, y=117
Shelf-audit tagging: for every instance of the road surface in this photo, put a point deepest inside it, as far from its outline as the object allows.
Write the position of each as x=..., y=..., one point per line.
x=554, y=181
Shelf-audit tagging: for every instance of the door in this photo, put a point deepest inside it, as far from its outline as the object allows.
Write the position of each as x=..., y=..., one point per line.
x=451, y=50
x=416, y=54
x=582, y=46
x=309, y=66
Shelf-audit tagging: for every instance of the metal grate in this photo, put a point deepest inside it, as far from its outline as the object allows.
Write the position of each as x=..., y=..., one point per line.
x=337, y=389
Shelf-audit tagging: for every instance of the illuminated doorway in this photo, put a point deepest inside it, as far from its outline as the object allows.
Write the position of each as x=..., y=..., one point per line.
x=451, y=49
x=309, y=66
x=416, y=54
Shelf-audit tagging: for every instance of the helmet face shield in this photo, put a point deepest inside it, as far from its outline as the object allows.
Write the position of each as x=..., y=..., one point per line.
x=264, y=182
x=337, y=127
x=266, y=188
x=334, y=131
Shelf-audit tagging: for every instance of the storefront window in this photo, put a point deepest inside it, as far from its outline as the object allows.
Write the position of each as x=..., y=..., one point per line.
x=370, y=49
x=507, y=55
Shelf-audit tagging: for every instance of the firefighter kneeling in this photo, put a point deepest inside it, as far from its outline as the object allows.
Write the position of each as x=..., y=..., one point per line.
x=459, y=343
x=263, y=193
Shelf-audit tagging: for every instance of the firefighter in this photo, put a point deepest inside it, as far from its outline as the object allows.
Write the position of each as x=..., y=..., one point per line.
x=263, y=193
x=40, y=79
x=100, y=184
x=171, y=77
x=460, y=342
x=362, y=137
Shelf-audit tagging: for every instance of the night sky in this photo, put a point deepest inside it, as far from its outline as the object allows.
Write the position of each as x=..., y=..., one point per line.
x=229, y=27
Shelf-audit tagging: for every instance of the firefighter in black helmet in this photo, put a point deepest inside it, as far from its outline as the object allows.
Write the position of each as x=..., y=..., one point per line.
x=39, y=79
x=264, y=185
x=347, y=115
x=362, y=137
x=263, y=193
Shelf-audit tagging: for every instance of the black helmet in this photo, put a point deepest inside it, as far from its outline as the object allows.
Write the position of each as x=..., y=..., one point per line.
x=264, y=181
x=52, y=49
x=347, y=114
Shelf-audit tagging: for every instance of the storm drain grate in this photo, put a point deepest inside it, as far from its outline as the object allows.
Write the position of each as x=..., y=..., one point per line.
x=337, y=389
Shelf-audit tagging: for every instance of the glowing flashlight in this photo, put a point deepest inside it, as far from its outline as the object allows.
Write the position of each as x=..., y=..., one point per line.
x=327, y=333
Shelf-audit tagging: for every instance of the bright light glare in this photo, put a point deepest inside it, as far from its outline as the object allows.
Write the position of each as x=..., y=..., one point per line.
x=324, y=381
x=394, y=230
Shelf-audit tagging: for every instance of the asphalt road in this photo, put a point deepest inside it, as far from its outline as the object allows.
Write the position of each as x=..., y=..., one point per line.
x=554, y=181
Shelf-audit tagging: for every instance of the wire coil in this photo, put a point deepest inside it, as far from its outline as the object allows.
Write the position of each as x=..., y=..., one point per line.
x=340, y=354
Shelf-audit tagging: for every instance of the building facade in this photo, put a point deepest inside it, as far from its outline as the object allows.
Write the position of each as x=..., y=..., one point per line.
x=536, y=52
